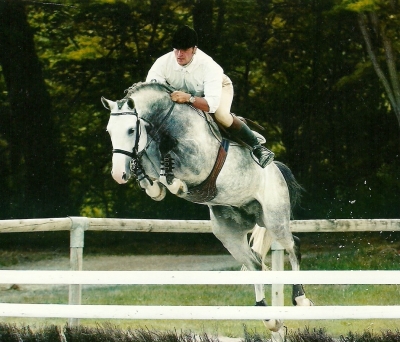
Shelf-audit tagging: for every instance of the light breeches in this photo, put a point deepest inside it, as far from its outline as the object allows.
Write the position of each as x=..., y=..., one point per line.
x=223, y=113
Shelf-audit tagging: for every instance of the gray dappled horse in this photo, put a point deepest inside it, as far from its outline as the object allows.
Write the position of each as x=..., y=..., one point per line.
x=177, y=147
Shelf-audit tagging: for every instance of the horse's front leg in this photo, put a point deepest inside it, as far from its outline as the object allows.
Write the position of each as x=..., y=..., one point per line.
x=154, y=189
x=174, y=185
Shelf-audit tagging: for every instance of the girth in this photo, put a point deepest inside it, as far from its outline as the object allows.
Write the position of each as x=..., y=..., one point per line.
x=207, y=190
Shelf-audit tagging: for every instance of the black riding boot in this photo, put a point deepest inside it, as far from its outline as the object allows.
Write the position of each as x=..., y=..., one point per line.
x=240, y=130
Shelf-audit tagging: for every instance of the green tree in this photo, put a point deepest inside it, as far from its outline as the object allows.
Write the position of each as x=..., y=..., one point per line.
x=33, y=156
x=299, y=68
x=378, y=21
x=331, y=131
x=93, y=50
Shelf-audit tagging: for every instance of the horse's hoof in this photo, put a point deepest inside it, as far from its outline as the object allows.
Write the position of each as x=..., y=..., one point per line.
x=161, y=196
x=261, y=302
x=273, y=324
x=299, y=296
x=183, y=189
x=303, y=301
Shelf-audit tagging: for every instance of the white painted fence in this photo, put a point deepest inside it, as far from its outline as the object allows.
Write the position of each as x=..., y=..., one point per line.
x=198, y=312
x=78, y=225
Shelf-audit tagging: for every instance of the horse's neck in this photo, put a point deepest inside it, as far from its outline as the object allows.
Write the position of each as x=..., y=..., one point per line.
x=185, y=124
x=181, y=131
x=150, y=102
x=194, y=148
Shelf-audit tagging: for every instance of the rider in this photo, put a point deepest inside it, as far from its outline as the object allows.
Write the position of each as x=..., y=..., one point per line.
x=203, y=85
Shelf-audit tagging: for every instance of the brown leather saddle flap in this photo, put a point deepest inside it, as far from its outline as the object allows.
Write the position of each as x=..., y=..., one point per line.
x=207, y=190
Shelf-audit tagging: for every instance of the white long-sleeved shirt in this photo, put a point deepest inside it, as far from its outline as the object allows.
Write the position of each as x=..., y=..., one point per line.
x=201, y=77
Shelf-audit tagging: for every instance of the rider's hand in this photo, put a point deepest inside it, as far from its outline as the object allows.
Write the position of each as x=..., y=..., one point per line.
x=180, y=97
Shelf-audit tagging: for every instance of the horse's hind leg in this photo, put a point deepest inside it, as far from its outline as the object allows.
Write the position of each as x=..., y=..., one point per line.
x=298, y=295
x=231, y=226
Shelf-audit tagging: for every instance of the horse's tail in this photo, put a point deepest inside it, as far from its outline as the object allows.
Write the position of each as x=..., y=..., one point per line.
x=295, y=189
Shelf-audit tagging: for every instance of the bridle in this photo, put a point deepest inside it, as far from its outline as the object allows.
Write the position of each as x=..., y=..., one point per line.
x=135, y=154
x=132, y=154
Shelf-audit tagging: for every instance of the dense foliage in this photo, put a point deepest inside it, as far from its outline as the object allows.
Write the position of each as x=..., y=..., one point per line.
x=300, y=68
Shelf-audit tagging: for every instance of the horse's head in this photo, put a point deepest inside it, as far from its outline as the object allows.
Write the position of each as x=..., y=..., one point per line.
x=128, y=136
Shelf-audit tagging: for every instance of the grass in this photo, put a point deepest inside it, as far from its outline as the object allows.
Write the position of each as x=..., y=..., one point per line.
x=109, y=332
x=99, y=333
x=219, y=295
x=350, y=251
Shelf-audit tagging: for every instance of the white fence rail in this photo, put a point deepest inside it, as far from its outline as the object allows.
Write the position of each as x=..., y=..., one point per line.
x=78, y=225
x=198, y=312
x=198, y=277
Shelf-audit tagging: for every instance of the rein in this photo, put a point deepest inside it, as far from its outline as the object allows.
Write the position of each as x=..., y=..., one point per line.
x=166, y=117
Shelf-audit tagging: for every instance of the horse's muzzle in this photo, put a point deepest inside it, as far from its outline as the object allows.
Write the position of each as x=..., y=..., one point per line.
x=120, y=178
x=121, y=168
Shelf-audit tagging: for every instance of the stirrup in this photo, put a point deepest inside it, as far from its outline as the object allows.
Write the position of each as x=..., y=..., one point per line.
x=268, y=159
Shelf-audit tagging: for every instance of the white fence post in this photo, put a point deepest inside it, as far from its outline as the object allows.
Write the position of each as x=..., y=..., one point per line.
x=277, y=296
x=277, y=264
x=77, y=234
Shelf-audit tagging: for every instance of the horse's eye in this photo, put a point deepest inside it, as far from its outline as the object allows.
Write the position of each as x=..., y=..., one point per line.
x=131, y=131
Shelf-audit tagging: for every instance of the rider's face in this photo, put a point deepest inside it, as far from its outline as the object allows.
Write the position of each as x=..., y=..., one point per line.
x=184, y=56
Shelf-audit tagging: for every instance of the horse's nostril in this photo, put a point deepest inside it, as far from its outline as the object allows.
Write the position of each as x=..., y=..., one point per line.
x=124, y=176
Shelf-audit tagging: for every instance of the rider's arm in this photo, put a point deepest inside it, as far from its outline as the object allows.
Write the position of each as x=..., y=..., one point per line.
x=182, y=97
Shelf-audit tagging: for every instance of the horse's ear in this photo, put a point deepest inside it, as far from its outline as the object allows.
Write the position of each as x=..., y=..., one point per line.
x=107, y=103
x=130, y=103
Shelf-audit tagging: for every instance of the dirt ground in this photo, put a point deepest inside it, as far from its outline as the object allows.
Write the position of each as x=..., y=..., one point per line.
x=137, y=263
x=130, y=263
